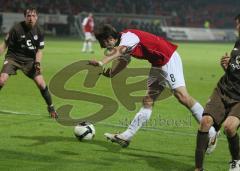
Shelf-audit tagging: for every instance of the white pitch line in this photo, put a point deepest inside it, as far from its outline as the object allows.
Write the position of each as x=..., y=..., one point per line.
x=9, y=112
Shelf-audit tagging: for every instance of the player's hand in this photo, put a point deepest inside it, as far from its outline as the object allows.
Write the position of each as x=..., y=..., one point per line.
x=107, y=72
x=37, y=67
x=225, y=61
x=94, y=63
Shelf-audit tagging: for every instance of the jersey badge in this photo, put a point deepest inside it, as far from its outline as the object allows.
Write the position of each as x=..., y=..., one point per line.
x=35, y=37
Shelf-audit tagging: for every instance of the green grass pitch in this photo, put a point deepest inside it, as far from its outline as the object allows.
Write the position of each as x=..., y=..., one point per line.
x=30, y=140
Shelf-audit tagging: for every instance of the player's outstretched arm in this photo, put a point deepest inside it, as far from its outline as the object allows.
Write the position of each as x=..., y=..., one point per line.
x=115, y=53
x=225, y=61
x=117, y=67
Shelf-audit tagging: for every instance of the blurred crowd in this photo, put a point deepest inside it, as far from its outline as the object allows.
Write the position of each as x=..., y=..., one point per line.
x=121, y=23
x=218, y=13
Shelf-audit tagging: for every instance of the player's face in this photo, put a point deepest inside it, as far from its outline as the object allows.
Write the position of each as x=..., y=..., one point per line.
x=31, y=18
x=110, y=43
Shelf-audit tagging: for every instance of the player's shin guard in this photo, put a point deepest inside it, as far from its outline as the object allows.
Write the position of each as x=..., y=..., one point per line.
x=141, y=118
x=233, y=144
x=201, y=146
x=46, y=95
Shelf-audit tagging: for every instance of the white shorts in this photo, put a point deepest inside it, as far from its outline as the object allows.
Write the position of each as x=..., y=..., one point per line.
x=89, y=36
x=170, y=75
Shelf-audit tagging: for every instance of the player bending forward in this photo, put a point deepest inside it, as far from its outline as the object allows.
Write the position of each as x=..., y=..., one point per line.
x=163, y=56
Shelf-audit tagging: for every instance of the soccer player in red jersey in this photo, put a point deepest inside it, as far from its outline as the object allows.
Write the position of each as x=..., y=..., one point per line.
x=87, y=27
x=163, y=57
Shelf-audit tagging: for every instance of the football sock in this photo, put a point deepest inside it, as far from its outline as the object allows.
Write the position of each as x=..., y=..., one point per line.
x=89, y=46
x=1, y=87
x=233, y=144
x=46, y=95
x=84, y=46
x=140, y=118
x=201, y=146
x=197, y=111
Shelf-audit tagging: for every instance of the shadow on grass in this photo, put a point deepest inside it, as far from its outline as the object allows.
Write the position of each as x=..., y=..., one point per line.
x=155, y=159
x=162, y=163
x=7, y=155
x=156, y=162
x=19, y=160
x=162, y=153
x=42, y=140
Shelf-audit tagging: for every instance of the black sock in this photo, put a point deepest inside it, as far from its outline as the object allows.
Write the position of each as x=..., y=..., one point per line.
x=201, y=147
x=233, y=144
x=1, y=87
x=46, y=95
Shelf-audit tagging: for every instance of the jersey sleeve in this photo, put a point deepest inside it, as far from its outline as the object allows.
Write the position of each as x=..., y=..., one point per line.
x=11, y=37
x=41, y=40
x=130, y=40
x=84, y=21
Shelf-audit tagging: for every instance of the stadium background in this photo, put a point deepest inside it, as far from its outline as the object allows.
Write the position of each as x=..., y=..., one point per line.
x=204, y=30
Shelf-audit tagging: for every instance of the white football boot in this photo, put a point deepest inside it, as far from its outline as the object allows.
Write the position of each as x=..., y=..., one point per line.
x=212, y=143
x=234, y=165
x=117, y=138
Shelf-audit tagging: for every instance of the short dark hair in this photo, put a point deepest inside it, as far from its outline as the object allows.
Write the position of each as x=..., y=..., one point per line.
x=237, y=17
x=104, y=32
x=31, y=8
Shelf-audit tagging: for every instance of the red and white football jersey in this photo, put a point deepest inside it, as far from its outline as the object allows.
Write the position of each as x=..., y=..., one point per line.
x=88, y=24
x=144, y=45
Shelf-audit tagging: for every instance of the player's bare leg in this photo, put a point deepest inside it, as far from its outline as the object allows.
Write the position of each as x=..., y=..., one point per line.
x=3, y=79
x=39, y=80
x=197, y=110
x=231, y=125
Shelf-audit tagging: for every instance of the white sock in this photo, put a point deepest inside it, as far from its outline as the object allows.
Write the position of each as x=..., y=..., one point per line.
x=140, y=118
x=89, y=46
x=197, y=111
x=84, y=46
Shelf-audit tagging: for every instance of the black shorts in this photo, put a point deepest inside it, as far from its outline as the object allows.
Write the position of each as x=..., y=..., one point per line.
x=219, y=106
x=10, y=67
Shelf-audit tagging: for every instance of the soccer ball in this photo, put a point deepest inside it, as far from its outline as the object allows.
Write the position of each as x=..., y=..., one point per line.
x=84, y=131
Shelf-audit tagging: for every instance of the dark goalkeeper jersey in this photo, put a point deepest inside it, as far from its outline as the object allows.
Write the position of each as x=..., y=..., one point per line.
x=230, y=81
x=23, y=43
